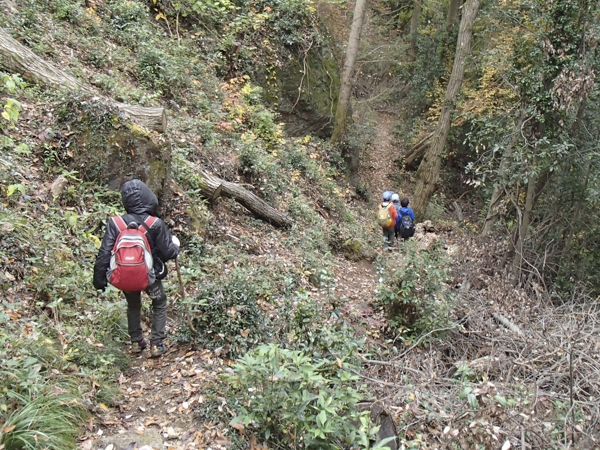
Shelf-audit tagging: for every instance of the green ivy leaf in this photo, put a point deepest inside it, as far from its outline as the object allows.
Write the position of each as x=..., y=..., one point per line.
x=322, y=418
x=13, y=188
x=472, y=399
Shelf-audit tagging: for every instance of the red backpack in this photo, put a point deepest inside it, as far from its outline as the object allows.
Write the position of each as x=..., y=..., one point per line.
x=131, y=263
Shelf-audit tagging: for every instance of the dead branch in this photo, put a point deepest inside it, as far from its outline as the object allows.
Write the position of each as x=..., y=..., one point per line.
x=417, y=150
x=458, y=211
x=507, y=323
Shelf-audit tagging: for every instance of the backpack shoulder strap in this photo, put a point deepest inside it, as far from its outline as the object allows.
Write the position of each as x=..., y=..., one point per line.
x=147, y=224
x=119, y=222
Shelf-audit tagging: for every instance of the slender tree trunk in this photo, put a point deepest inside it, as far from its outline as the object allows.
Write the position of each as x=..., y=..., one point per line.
x=524, y=223
x=490, y=218
x=429, y=169
x=452, y=16
x=577, y=214
x=414, y=26
x=339, y=124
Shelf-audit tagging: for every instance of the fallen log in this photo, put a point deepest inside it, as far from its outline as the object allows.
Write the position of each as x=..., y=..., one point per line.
x=154, y=118
x=416, y=150
x=15, y=57
x=213, y=187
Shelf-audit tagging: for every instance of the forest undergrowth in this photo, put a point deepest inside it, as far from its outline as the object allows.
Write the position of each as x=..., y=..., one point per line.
x=281, y=333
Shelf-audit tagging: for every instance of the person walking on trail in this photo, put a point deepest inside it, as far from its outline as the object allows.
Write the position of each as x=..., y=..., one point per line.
x=396, y=202
x=386, y=217
x=405, y=224
x=141, y=237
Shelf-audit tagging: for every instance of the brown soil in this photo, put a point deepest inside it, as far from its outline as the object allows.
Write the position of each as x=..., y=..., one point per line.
x=378, y=163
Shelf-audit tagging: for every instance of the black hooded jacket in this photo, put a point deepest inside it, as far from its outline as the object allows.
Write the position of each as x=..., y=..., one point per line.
x=139, y=202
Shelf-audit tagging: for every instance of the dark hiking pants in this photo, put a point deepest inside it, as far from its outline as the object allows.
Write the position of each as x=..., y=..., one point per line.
x=157, y=294
x=388, y=237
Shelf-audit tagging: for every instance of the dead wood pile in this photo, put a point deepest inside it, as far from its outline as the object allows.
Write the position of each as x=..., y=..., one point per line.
x=518, y=371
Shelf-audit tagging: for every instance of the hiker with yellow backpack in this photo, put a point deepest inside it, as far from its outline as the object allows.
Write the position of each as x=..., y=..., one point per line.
x=386, y=217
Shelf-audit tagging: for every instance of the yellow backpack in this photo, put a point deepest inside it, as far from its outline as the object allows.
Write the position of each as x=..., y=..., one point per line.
x=384, y=219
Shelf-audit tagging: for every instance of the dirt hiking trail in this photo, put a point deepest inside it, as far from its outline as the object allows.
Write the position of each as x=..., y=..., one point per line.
x=378, y=162
x=160, y=400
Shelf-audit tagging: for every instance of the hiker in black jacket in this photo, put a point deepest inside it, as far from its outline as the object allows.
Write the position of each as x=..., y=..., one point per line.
x=140, y=203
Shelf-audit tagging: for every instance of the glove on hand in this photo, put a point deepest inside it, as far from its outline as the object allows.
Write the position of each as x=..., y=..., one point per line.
x=175, y=241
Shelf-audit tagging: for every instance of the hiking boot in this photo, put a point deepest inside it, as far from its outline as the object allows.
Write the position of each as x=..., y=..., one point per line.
x=137, y=347
x=157, y=349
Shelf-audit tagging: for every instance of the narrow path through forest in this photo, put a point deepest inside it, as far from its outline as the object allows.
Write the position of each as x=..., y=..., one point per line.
x=161, y=396
x=378, y=163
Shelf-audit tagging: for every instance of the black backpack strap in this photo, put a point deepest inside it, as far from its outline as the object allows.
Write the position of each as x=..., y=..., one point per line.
x=150, y=219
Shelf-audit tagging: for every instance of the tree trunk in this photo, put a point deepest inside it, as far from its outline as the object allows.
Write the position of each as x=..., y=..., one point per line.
x=429, y=169
x=490, y=218
x=15, y=57
x=452, y=15
x=212, y=187
x=576, y=217
x=339, y=123
x=414, y=26
x=524, y=223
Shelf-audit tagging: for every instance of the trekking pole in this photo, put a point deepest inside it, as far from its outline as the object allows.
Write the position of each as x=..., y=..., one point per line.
x=188, y=318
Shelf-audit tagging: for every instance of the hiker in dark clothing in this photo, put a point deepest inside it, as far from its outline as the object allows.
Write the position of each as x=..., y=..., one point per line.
x=141, y=203
x=405, y=224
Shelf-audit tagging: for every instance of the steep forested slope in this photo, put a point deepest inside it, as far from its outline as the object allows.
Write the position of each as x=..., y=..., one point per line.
x=459, y=352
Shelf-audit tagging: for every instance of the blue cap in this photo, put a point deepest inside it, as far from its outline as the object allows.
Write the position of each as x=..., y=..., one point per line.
x=387, y=195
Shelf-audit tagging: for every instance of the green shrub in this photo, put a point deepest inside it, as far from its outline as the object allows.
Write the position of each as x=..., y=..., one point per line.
x=67, y=10
x=261, y=169
x=308, y=328
x=125, y=13
x=127, y=21
x=294, y=401
x=159, y=70
x=226, y=313
x=436, y=208
x=413, y=290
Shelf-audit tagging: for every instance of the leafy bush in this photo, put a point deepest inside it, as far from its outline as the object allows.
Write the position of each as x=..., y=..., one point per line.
x=226, y=313
x=125, y=13
x=157, y=69
x=127, y=22
x=436, y=208
x=413, y=292
x=308, y=327
x=261, y=169
x=11, y=108
x=294, y=401
x=68, y=10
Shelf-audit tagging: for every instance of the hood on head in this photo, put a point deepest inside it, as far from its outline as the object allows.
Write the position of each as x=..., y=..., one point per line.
x=138, y=198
